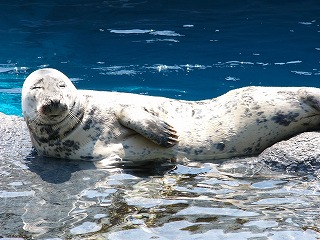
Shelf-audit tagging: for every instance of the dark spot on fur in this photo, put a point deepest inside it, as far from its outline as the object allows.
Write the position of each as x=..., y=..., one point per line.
x=247, y=112
x=220, y=146
x=87, y=158
x=54, y=135
x=247, y=151
x=312, y=101
x=50, y=132
x=198, y=151
x=161, y=109
x=71, y=144
x=42, y=140
x=261, y=120
x=92, y=111
x=66, y=133
x=187, y=151
x=87, y=124
x=258, y=146
x=284, y=119
x=233, y=150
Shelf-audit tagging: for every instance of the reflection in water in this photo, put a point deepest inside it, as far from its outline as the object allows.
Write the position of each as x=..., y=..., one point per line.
x=190, y=201
x=212, y=205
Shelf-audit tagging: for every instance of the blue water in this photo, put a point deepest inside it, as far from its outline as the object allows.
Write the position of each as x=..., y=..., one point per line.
x=180, y=49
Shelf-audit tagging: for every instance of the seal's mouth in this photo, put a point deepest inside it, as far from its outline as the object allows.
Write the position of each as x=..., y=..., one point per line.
x=54, y=116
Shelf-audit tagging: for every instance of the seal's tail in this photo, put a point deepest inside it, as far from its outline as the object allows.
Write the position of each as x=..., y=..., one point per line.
x=311, y=96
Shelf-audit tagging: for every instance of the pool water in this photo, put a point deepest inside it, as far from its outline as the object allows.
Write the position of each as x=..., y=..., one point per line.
x=179, y=49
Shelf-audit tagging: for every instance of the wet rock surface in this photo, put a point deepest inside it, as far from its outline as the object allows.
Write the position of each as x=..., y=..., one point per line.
x=275, y=194
x=300, y=154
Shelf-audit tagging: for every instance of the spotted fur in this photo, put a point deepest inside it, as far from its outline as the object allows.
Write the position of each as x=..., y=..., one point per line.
x=92, y=125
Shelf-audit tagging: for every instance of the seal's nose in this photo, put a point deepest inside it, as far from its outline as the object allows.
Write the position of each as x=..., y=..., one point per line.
x=55, y=103
x=53, y=108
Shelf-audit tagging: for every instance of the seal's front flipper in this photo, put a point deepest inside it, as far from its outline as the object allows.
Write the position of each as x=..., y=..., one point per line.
x=149, y=126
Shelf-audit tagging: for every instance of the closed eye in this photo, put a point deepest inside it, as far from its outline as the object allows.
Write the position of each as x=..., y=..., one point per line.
x=36, y=87
x=62, y=85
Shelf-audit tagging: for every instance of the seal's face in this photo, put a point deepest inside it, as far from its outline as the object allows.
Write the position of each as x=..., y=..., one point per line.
x=47, y=96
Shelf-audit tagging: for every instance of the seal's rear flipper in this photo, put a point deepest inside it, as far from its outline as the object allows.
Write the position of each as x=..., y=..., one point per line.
x=311, y=96
x=149, y=126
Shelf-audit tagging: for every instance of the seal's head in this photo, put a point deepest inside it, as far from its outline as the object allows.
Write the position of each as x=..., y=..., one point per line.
x=48, y=97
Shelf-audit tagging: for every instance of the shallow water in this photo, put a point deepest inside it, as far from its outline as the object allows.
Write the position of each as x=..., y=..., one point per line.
x=70, y=200
x=187, y=50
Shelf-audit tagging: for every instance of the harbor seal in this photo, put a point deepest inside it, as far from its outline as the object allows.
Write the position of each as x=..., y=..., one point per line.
x=93, y=125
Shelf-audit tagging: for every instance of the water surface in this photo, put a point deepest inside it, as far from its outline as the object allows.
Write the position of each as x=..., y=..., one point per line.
x=188, y=50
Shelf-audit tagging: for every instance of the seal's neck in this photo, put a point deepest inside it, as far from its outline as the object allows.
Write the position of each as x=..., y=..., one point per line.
x=56, y=132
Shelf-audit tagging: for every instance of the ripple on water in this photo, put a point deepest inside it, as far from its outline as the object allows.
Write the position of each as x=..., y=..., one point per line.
x=267, y=184
x=195, y=210
x=152, y=202
x=280, y=201
x=6, y=194
x=261, y=224
x=96, y=194
x=86, y=227
x=167, y=33
x=180, y=228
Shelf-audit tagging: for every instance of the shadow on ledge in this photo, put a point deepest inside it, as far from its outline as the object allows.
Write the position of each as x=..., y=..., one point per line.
x=54, y=170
